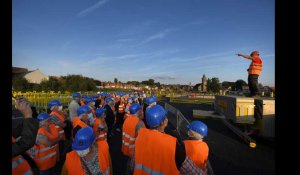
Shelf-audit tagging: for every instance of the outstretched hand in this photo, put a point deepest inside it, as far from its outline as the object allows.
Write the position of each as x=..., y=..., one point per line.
x=238, y=54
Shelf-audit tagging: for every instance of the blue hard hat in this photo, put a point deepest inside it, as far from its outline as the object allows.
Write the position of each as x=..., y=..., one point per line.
x=100, y=111
x=130, y=98
x=146, y=100
x=88, y=100
x=108, y=99
x=198, y=127
x=152, y=99
x=83, y=109
x=42, y=116
x=54, y=103
x=155, y=115
x=135, y=107
x=76, y=95
x=94, y=97
x=84, y=96
x=84, y=138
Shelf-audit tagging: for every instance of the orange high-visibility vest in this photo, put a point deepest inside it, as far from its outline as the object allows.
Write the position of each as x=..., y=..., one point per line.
x=46, y=156
x=197, y=151
x=61, y=117
x=73, y=163
x=121, y=108
x=19, y=165
x=100, y=135
x=128, y=136
x=255, y=67
x=154, y=153
x=78, y=122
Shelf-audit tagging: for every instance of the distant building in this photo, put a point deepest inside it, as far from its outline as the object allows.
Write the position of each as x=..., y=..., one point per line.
x=203, y=86
x=35, y=76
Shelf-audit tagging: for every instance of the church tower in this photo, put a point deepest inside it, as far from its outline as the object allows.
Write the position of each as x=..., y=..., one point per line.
x=204, y=83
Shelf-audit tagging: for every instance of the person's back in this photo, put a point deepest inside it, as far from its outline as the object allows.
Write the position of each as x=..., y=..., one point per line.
x=195, y=147
x=131, y=127
x=155, y=151
x=197, y=150
x=73, y=109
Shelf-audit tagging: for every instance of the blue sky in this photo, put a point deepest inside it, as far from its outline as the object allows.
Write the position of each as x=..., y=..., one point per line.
x=171, y=41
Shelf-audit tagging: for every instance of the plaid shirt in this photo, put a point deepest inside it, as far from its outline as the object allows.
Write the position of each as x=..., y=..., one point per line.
x=189, y=167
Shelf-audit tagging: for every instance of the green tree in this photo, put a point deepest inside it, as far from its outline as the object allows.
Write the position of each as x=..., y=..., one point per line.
x=116, y=80
x=227, y=84
x=52, y=84
x=239, y=84
x=215, y=85
x=20, y=84
x=208, y=85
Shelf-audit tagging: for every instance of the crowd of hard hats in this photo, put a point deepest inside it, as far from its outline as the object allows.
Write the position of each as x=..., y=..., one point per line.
x=78, y=142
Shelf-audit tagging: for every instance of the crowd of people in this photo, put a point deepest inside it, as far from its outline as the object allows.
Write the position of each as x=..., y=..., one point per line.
x=77, y=141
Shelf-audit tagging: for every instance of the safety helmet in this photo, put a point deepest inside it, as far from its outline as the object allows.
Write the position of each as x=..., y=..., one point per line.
x=76, y=95
x=100, y=111
x=84, y=96
x=155, y=115
x=54, y=103
x=83, y=109
x=84, y=138
x=198, y=127
x=95, y=96
x=108, y=99
x=151, y=99
x=130, y=98
x=88, y=100
x=135, y=107
x=254, y=52
x=43, y=116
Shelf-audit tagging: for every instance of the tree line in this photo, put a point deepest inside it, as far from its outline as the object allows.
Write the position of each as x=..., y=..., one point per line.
x=63, y=83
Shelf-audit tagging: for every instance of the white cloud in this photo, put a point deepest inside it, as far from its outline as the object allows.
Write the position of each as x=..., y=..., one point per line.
x=92, y=8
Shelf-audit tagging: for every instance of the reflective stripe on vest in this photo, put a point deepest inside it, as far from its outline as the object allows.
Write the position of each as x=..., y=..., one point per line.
x=128, y=136
x=48, y=156
x=45, y=149
x=29, y=172
x=147, y=170
x=19, y=165
x=128, y=144
x=106, y=172
x=102, y=135
x=17, y=162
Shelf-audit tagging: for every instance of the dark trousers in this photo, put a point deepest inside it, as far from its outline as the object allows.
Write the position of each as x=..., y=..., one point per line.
x=120, y=120
x=253, y=84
